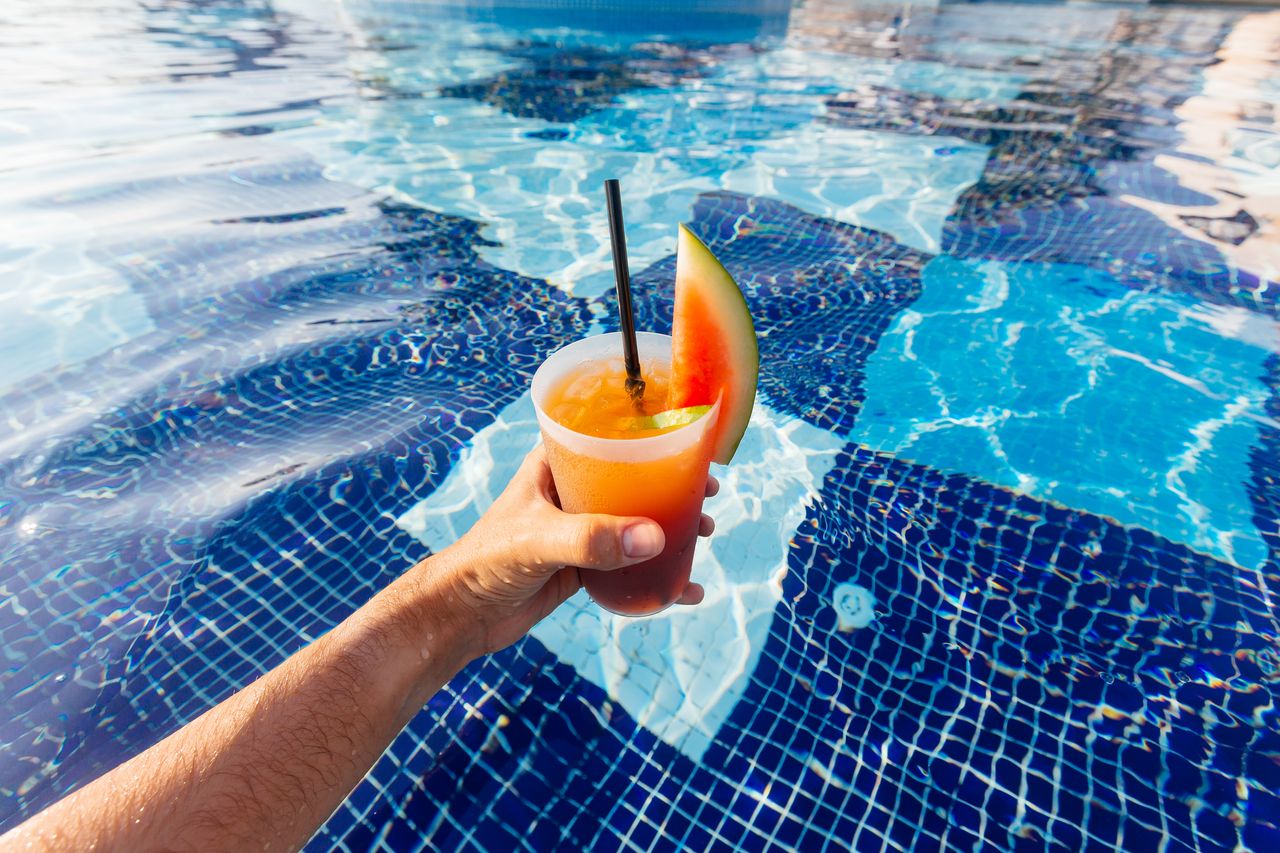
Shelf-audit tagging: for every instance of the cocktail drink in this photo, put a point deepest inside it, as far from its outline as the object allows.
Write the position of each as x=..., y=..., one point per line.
x=608, y=456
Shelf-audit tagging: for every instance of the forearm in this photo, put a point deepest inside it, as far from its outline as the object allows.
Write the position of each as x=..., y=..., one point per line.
x=267, y=766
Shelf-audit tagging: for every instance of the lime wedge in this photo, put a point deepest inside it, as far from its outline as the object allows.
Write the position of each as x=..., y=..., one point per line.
x=668, y=419
x=679, y=417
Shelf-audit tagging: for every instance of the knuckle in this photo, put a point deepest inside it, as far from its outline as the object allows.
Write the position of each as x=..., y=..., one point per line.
x=596, y=542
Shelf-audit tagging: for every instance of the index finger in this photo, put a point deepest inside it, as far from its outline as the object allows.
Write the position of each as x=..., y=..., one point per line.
x=534, y=472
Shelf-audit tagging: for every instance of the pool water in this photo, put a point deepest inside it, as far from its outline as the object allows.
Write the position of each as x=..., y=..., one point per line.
x=995, y=565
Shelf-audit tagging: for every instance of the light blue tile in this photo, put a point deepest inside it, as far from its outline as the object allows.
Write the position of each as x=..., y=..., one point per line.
x=1055, y=380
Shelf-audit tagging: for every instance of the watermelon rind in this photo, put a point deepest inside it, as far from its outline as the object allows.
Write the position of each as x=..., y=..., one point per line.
x=725, y=333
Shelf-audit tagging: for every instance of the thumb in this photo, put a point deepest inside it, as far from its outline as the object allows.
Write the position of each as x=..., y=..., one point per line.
x=594, y=541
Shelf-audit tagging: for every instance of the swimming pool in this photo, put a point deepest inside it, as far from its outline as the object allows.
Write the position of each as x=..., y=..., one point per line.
x=995, y=565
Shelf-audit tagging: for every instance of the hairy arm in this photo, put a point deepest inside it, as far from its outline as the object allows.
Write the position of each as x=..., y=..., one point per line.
x=266, y=767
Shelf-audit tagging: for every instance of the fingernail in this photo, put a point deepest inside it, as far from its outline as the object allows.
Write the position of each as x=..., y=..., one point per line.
x=642, y=540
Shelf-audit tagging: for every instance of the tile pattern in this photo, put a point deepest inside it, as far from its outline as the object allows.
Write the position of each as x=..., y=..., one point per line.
x=268, y=528
x=1035, y=677
x=562, y=83
x=1060, y=165
x=1033, y=669
x=1265, y=488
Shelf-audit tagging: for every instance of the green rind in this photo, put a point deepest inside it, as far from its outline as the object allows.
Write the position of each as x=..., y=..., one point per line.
x=695, y=262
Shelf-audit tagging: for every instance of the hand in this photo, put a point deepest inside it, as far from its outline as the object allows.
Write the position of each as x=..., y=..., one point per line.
x=519, y=562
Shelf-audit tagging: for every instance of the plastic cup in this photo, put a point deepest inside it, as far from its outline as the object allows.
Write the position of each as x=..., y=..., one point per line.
x=662, y=477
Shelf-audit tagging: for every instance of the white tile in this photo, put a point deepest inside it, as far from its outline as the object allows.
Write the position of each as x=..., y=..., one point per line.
x=1056, y=380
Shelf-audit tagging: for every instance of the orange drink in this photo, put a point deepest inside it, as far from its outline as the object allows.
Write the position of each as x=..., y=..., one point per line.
x=607, y=457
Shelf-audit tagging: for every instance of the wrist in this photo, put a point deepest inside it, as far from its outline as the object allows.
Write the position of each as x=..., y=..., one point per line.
x=416, y=631
x=452, y=577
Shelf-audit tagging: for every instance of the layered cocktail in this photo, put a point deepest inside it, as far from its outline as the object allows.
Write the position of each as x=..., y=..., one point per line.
x=615, y=452
x=613, y=455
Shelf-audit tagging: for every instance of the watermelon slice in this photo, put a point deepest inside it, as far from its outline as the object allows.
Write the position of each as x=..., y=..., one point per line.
x=714, y=354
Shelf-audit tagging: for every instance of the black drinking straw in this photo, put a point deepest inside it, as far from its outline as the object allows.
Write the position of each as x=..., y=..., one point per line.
x=622, y=280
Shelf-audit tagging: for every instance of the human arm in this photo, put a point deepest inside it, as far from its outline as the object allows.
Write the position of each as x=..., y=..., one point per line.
x=267, y=766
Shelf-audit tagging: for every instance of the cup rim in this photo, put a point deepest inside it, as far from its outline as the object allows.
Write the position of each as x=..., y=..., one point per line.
x=585, y=350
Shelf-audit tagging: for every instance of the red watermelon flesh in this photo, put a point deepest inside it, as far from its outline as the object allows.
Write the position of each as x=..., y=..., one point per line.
x=714, y=354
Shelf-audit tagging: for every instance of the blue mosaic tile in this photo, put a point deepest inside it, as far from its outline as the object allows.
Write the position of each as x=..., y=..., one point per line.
x=1064, y=679
x=1131, y=244
x=988, y=670
x=1062, y=158
x=1265, y=488
x=556, y=86
x=562, y=83
x=1036, y=676
x=172, y=591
